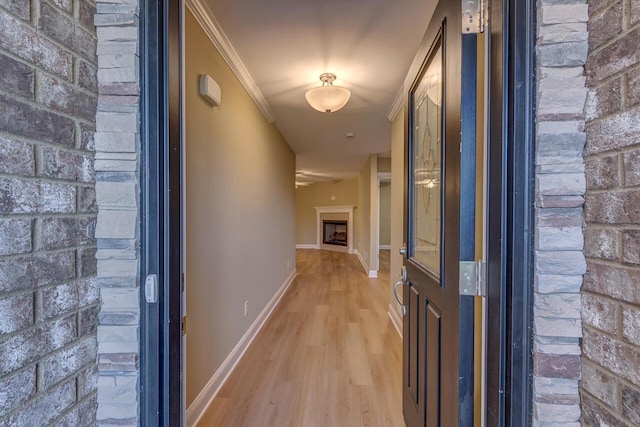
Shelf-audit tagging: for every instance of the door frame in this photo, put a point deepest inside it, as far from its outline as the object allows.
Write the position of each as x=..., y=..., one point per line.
x=381, y=177
x=510, y=212
x=510, y=197
x=160, y=216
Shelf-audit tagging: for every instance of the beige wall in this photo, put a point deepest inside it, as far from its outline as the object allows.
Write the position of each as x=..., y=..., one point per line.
x=397, y=198
x=374, y=214
x=385, y=213
x=320, y=194
x=363, y=213
x=384, y=164
x=240, y=212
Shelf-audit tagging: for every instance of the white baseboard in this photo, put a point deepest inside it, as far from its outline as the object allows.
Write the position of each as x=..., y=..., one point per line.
x=364, y=264
x=395, y=319
x=307, y=246
x=197, y=409
x=370, y=273
x=385, y=246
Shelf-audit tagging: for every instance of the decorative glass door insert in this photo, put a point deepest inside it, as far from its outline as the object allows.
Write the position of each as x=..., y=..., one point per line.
x=426, y=102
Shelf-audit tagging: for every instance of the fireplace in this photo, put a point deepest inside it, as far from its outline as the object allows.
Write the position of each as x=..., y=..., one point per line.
x=334, y=233
x=342, y=217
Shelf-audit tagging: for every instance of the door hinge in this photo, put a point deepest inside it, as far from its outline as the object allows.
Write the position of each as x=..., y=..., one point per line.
x=184, y=325
x=182, y=282
x=473, y=278
x=475, y=16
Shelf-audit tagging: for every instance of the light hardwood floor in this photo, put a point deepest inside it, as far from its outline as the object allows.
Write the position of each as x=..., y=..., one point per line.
x=329, y=355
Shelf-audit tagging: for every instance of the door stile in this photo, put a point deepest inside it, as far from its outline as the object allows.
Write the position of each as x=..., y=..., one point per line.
x=468, y=177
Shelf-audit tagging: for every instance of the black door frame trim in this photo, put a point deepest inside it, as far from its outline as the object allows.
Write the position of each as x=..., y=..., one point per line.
x=510, y=204
x=160, y=323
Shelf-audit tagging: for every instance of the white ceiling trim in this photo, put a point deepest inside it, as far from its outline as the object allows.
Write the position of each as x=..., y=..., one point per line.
x=208, y=22
x=398, y=103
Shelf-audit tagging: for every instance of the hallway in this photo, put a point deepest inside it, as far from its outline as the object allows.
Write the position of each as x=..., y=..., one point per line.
x=329, y=355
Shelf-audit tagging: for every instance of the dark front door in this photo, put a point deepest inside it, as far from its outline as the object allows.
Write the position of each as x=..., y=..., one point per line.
x=434, y=380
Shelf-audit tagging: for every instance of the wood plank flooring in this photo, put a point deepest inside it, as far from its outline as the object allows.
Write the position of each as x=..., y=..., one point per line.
x=329, y=355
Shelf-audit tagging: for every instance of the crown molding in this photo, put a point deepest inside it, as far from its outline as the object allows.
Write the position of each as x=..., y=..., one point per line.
x=208, y=22
x=398, y=103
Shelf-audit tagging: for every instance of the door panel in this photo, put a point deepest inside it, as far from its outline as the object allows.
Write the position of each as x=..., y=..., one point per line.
x=433, y=346
x=414, y=376
x=432, y=326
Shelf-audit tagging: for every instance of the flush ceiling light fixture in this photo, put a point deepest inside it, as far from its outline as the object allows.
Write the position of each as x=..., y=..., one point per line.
x=328, y=98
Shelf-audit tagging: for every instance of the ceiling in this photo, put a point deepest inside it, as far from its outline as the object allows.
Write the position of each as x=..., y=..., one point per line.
x=286, y=44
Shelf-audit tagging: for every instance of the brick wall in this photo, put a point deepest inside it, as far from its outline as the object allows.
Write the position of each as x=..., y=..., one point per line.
x=560, y=186
x=610, y=388
x=48, y=295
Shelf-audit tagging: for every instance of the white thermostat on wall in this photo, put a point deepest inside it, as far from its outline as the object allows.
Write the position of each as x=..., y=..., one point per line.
x=210, y=89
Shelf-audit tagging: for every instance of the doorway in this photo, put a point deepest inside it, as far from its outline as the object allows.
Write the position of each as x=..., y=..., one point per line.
x=509, y=196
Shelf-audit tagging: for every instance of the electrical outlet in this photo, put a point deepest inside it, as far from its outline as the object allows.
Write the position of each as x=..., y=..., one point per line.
x=246, y=307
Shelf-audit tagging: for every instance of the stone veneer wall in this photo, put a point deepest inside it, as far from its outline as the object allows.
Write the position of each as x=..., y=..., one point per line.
x=117, y=166
x=560, y=187
x=48, y=294
x=610, y=387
